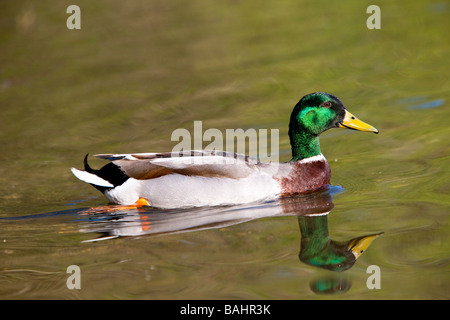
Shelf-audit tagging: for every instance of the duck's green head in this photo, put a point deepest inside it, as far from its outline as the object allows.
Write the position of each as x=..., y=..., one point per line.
x=314, y=114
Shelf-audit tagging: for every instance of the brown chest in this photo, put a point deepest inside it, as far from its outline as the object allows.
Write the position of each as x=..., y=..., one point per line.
x=306, y=177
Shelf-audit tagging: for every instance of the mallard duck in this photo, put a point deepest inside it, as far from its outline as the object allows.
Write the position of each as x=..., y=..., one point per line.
x=211, y=178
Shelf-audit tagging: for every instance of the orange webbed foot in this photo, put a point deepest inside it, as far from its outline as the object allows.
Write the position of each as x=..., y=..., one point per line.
x=141, y=202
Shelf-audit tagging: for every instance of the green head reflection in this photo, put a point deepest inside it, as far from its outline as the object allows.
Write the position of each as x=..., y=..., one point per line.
x=318, y=249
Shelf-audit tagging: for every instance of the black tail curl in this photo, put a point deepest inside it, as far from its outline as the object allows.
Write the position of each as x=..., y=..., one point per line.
x=87, y=168
x=110, y=172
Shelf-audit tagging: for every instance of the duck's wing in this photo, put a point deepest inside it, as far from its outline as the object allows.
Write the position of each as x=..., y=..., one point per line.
x=218, y=164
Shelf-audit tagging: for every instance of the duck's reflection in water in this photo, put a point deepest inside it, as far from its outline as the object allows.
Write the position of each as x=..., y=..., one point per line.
x=316, y=247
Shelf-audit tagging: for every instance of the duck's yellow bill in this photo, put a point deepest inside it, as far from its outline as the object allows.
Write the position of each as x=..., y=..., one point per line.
x=359, y=245
x=352, y=122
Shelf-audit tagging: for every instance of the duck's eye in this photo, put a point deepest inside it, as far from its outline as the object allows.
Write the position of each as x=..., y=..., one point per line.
x=326, y=104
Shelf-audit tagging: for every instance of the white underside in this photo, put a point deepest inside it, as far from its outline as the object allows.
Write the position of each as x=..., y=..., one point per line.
x=175, y=190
